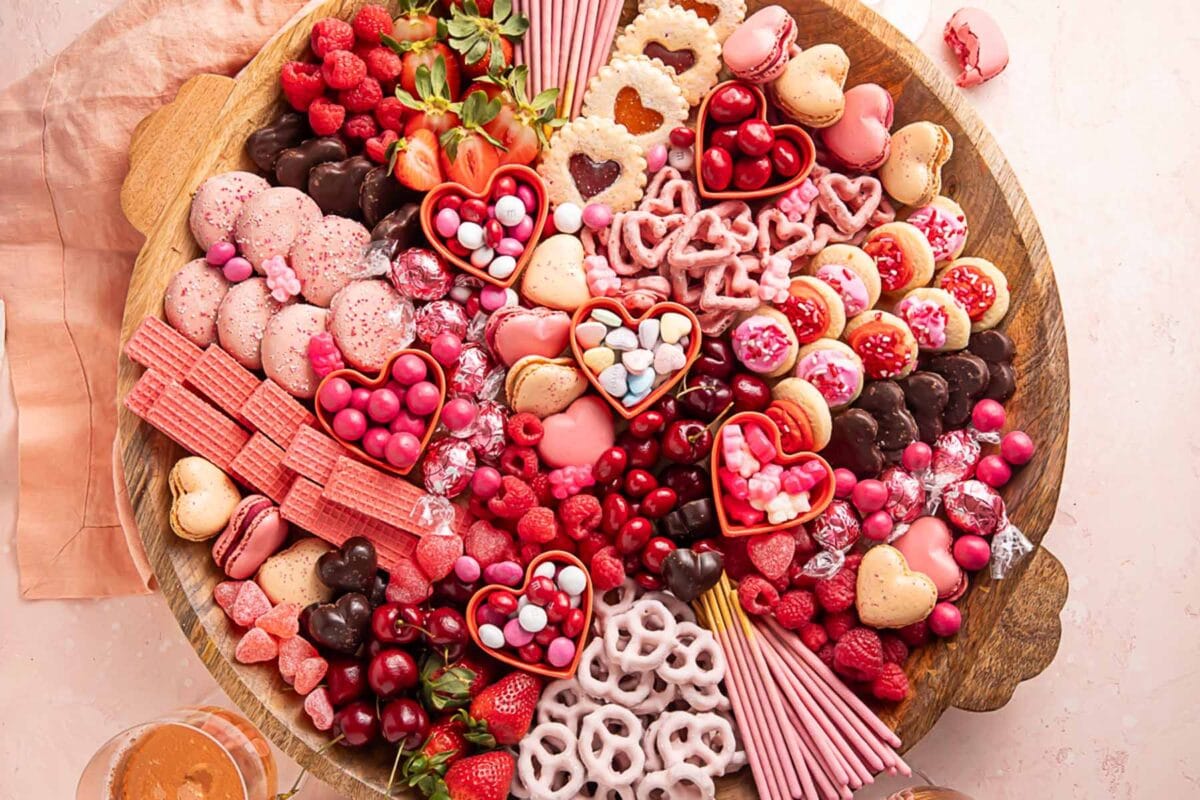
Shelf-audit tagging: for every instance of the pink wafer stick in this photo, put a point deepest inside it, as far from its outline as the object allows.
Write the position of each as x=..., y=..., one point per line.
x=225, y=382
x=156, y=345
x=827, y=785
x=602, y=45
x=146, y=391
x=532, y=44
x=519, y=50
x=585, y=24
x=547, y=47
x=313, y=454
x=276, y=413
x=767, y=778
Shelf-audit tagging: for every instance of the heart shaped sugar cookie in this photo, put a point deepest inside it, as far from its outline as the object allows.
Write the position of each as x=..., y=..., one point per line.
x=810, y=89
x=926, y=546
x=577, y=436
x=912, y=174
x=890, y=595
x=555, y=276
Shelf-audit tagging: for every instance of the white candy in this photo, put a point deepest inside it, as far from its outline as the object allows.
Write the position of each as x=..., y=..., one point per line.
x=682, y=158
x=482, y=256
x=470, y=235
x=572, y=580
x=545, y=570
x=648, y=333
x=522, y=601
x=621, y=339
x=668, y=358
x=637, y=360
x=606, y=317
x=501, y=266
x=510, y=210
x=613, y=380
x=491, y=636
x=532, y=618
x=568, y=218
x=589, y=334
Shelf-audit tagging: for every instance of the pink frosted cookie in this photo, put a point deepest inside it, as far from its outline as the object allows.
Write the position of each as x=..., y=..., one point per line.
x=834, y=369
x=369, y=321
x=979, y=44
x=285, y=348
x=242, y=320
x=765, y=342
x=944, y=224
x=216, y=205
x=271, y=221
x=193, y=296
x=327, y=256
x=936, y=319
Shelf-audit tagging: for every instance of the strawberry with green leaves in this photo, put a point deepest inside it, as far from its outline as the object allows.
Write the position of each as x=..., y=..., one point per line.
x=485, y=40
x=522, y=124
x=415, y=22
x=501, y=713
x=414, y=160
x=425, y=53
x=486, y=776
x=434, y=107
x=469, y=153
x=452, y=685
x=444, y=745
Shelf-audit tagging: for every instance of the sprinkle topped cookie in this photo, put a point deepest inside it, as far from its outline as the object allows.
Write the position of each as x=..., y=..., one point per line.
x=685, y=44
x=594, y=160
x=641, y=95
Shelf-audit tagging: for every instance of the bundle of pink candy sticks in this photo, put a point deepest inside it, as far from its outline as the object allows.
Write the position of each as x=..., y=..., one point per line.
x=566, y=45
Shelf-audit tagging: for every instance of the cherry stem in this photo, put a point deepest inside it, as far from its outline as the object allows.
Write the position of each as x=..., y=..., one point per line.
x=395, y=766
x=290, y=793
x=716, y=423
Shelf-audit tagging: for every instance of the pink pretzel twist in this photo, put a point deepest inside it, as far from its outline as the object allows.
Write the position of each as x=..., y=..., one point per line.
x=601, y=678
x=547, y=764
x=695, y=658
x=565, y=702
x=610, y=745
x=650, y=629
x=680, y=782
x=703, y=740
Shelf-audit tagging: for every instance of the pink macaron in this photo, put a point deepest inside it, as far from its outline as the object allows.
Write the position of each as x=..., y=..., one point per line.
x=514, y=332
x=270, y=221
x=285, y=348
x=369, y=321
x=254, y=533
x=217, y=203
x=758, y=50
x=242, y=320
x=862, y=138
x=978, y=43
x=327, y=256
x=193, y=296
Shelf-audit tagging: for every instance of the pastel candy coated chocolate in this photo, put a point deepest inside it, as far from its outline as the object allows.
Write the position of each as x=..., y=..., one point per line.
x=192, y=298
x=862, y=138
x=369, y=321
x=554, y=276
x=242, y=320
x=218, y=202
x=327, y=256
x=270, y=221
x=577, y=436
x=757, y=50
x=285, y=348
x=890, y=595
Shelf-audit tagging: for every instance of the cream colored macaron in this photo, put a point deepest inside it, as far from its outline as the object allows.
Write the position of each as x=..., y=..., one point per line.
x=202, y=499
x=913, y=172
x=889, y=594
x=555, y=276
x=544, y=386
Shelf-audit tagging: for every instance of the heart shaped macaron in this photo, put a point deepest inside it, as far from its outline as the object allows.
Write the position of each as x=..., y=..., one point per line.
x=912, y=173
x=927, y=547
x=388, y=419
x=514, y=332
x=889, y=594
x=558, y=593
x=862, y=138
x=489, y=234
x=760, y=487
x=741, y=156
x=578, y=435
x=634, y=362
x=203, y=498
x=810, y=89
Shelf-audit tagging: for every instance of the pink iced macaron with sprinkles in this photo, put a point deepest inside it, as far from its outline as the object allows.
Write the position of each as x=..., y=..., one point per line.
x=242, y=320
x=369, y=321
x=192, y=299
x=217, y=203
x=270, y=221
x=327, y=256
x=285, y=348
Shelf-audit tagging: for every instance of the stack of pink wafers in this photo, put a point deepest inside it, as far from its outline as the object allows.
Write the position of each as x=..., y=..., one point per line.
x=566, y=45
x=264, y=438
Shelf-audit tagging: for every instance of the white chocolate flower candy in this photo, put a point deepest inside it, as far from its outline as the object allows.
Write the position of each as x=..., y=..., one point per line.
x=913, y=172
x=639, y=94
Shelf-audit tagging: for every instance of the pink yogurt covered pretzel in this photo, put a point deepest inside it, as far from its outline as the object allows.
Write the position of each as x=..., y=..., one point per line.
x=610, y=746
x=641, y=638
x=680, y=782
x=704, y=740
x=547, y=765
x=603, y=679
x=565, y=701
x=695, y=658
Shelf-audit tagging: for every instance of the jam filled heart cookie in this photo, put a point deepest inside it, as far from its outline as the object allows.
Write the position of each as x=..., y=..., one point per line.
x=832, y=367
x=636, y=92
x=810, y=89
x=682, y=42
x=912, y=173
x=979, y=287
x=902, y=255
x=814, y=308
x=944, y=224
x=723, y=15
x=884, y=342
x=935, y=318
x=851, y=273
x=594, y=160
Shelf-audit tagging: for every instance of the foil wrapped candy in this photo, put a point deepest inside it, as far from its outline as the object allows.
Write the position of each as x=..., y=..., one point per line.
x=974, y=507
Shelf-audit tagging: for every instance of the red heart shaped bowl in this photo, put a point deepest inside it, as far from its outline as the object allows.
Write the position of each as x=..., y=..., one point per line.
x=562, y=559
x=796, y=135
x=657, y=310
x=358, y=380
x=819, y=497
x=519, y=173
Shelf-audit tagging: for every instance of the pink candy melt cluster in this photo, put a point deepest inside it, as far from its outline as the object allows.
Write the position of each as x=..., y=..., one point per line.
x=491, y=233
x=541, y=625
x=756, y=488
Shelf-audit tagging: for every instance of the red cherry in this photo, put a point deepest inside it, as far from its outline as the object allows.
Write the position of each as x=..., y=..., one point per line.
x=558, y=607
x=656, y=550
x=658, y=502
x=647, y=424
x=572, y=625
x=404, y=722
x=445, y=626
x=651, y=583
x=541, y=590
x=394, y=623
x=345, y=680
x=639, y=482
x=473, y=210
x=751, y=174
x=755, y=137
x=504, y=185
x=530, y=653
x=611, y=464
x=633, y=535
x=724, y=138
x=716, y=168
x=614, y=511
x=682, y=137
x=503, y=601
x=785, y=158
x=356, y=723
x=732, y=103
x=750, y=392
x=391, y=672
x=668, y=406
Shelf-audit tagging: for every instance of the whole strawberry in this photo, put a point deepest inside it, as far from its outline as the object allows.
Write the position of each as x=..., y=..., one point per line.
x=483, y=777
x=425, y=768
x=452, y=685
x=501, y=713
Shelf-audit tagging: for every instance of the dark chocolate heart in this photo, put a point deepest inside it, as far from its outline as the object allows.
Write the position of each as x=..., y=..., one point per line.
x=294, y=165
x=679, y=60
x=350, y=568
x=335, y=185
x=926, y=395
x=593, y=177
x=852, y=444
x=967, y=376
x=265, y=144
x=378, y=594
x=380, y=195
x=341, y=625
x=403, y=226
x=884, y=400
x=691, y=521
x=998, y=352
x=689, y=574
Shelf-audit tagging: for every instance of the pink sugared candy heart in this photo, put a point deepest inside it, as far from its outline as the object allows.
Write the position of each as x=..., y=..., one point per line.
x=225, y=592
x=292, y=653
x=255, y=646
x=250, y=604
x=319, y=709
x=310, y=674
x=282, y=621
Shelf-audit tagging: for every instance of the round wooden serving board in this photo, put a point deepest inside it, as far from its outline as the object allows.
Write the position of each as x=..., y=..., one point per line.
x=1011, y=627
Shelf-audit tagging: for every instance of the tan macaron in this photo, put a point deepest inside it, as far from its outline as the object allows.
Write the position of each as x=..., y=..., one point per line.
x=913, y=172
x=544, y=386
x=202, y=499
x=809, y=400
x=889, y=594
x=936, y=319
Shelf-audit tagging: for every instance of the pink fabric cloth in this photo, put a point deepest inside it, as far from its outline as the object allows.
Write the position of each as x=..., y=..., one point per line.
x=66, y=253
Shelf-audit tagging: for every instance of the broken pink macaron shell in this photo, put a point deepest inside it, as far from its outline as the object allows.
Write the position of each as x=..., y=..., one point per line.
x=978, y=43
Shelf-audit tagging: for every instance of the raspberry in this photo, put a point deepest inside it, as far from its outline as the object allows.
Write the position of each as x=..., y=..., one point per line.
x=250, y=604
x=590, y=545
x=325, y=117
x=477, y=507
x=608, y=572
x=826, y=654
x=513, y=500
x=310, y=674
x=561, y=542
x=301, y=84
x=915, y=635
x=580, y=515
x=360, y=127
x=796, y=609
x=319, y=709
x=519, y=461
x=895, y=651
x=283, y=620
x=390, y=115
x=813, y=636
x=382, y=64
x=836, y=625
x=343, y=70
x=256, y=646
x=524, y=429
x=891, y=684
x=858, y=655
x=771, y=553
x=225, y=592
x=371, y=22
x=487, y=544
x=540, y=483
x=837, y=593
x=852, y=562
x=407, y=584
x=537, y=525
x=292, y=653
x=756, y=595
x=362, y=98
x=329, y=35
x=436, y=553
x=376, y=147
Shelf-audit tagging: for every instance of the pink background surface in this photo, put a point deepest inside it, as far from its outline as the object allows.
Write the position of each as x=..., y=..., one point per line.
x=1097, y=114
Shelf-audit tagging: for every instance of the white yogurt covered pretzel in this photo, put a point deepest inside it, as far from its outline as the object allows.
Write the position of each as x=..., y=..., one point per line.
x=613, y=602
x=596, y=791
x=651, y=631
x=566, y=702
x=695, y=657
x=548, y=766
x=702, y=698
x=705, y=740
x=610, y=746
x=662, y=692
x=680, y=782
x=679, y=609
x=603, y=679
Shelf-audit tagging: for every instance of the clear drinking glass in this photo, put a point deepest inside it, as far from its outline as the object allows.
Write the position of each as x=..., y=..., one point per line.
x=204, y=753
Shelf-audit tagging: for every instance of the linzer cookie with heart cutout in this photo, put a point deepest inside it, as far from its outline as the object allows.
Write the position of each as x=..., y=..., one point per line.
x=635, y=92
x=723, y=15
x=678, y=39
x=594, y=160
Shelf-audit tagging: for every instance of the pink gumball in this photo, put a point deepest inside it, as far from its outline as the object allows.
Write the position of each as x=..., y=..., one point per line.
x=1016, y=448
x=219, y=253
x=446, y=348
x=407, y=422
x=402, y=450
x=945, y=620
x=349, y=424
x=916, y=457
x=491, y=298
x=972, y=552
x=409, y=369
x=844, y=482
x=878, y=526
x=987, y=416
x=485, y=482
x=422, y=399
x=237, y=269
x=335, y=395
x=869, y=495
x=360, y=398
x=383, y=406
x=375, y=440
x=994, y=471
x=458, y=414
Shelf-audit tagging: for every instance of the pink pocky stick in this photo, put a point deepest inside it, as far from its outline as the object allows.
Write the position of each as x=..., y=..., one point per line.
x=556, y=47
x=584, y=25
x=820, y=735
x=829, y=787
x=764, y=774
x=533, y=43
x=519, y=50
x=547, y=46
x=601, y=46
